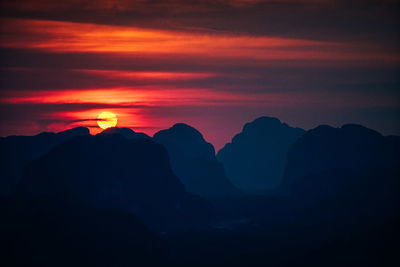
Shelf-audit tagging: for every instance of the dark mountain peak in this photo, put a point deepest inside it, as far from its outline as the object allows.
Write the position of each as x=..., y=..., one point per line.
x=352, y=147
x=109, y=171
x=185, y=140
x=349, y=134
x=39, y=135
x=70, y=133
x=263, y=122
x=255, y=158
x=75, y=131
x=125, y=132
x=322, y=127
x=344, y=137
x=193, y=161
x=356, y=129
x=17, y=151
x=184, y=131
x=320, y=131
x=263, y=128
x=346, y=128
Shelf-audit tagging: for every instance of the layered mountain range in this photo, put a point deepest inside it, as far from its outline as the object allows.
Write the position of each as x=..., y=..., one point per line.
x=120, y=194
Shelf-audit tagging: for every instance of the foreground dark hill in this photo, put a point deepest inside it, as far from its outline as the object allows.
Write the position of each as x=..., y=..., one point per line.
x=17, y=151
x=256, y=157
x=193, y=161
x=125, y=132
x=60, y=231
x=108, y=171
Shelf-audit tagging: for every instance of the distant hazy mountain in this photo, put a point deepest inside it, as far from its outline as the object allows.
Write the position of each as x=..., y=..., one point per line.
x=125, y=132
x=193, y=161
x=17, y=151
x=256, y=157
x=109, y=171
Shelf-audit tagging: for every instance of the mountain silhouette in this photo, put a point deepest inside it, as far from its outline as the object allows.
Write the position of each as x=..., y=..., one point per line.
x=125, y=132
x=256, y=157
x=349, y=173
x=350, y=147
x=193, y=161
x=17, y=151
x=106, y=200
x=111, y=172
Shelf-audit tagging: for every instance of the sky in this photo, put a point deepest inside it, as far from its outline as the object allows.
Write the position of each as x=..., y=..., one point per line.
x=214, y=65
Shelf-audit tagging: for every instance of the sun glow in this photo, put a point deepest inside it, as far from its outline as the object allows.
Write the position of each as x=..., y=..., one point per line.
x=106, y=120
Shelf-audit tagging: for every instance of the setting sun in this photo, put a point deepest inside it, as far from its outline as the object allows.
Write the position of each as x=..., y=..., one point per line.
x=106, y=120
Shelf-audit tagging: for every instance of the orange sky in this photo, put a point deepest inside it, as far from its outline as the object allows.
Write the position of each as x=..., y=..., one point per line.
x=55, y=36
x=153, y=73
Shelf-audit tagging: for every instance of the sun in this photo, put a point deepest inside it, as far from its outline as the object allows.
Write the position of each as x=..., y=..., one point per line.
x=106, y=120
